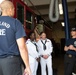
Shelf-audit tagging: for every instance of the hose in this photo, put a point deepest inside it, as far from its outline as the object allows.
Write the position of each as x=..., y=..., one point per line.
x=54, y=11
x=39, y=13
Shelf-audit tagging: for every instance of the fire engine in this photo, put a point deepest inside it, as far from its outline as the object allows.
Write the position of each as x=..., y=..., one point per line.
x=25, y=14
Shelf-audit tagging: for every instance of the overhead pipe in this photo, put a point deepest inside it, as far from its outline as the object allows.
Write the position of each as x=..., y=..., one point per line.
x=54, y=10
x=66, y=19
x=39, y=12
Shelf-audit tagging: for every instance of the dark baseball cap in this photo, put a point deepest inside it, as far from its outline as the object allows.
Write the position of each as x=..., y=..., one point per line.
x=73, y=29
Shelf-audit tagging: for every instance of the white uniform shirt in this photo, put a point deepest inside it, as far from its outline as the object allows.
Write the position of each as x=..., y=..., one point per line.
x=33, y=54
x=49, y=47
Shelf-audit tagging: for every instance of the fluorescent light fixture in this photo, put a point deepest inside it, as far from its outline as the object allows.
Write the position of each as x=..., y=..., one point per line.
x=1, y=1
x=63, y=24
x=60, y=9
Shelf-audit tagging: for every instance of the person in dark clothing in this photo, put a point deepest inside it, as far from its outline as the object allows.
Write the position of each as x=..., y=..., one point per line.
x=12, y=42
x=70, y=56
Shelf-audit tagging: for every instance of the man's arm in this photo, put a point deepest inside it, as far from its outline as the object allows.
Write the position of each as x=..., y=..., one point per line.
x=24, y=53
x=74, y=49
x=66, y=48
x=50, y=48
x=71, y=47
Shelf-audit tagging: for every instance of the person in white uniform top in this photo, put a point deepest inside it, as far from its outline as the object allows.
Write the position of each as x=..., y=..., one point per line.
x=33, y=53
x=45, y=49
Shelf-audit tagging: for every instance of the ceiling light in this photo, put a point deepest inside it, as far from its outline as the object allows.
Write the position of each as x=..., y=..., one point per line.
x=60, y=9
x=63, y=24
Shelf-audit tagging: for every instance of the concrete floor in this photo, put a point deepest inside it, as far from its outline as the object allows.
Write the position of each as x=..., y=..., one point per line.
x=58, y=63
x=58, y=66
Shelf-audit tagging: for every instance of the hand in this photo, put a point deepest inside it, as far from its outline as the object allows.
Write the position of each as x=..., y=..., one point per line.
x=71, y=47
x=27, y=71
x=45, y=56
x=38, y=59
x=35, y=30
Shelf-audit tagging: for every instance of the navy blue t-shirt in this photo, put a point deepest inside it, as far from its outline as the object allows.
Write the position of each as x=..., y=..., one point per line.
x=69, y=42
x=10, y=30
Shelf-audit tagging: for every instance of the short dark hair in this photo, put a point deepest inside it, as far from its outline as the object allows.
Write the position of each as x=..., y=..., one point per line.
x=42, y=32
x=30, y=34
x=73, y=29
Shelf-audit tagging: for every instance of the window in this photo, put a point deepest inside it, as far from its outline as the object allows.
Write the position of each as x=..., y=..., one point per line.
x=29, y=20
x=20, y=13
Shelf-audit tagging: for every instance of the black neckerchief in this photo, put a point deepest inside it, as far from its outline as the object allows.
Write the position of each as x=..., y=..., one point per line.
x=44, y=44
x=35, y=45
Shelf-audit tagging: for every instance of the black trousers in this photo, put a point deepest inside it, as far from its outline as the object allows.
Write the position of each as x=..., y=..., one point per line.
x=10, y=66
x=69, y=61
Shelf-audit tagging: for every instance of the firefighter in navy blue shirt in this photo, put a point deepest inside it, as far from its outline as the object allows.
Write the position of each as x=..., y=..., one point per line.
x=12, y=43
x=70, y=56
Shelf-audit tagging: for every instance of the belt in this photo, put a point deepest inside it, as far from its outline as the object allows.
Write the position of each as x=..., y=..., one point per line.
x=70, y=55
x=11, y=56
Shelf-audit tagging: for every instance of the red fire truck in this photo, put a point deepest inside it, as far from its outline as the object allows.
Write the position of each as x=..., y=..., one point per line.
x=25, y=15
